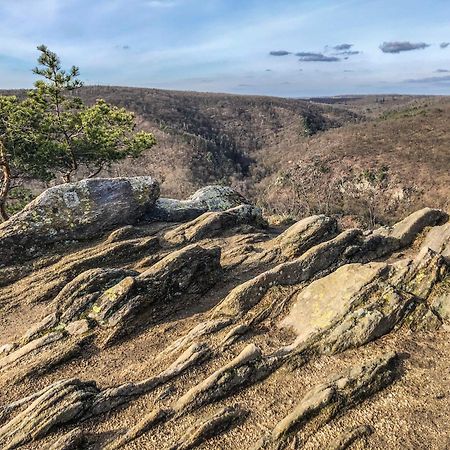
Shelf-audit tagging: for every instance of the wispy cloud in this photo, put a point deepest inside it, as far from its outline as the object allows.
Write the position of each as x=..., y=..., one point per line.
x=442, y=71
x=405, y=46
x=445, y=79
x=348, y=53
x=307, y=54
x=311, y=56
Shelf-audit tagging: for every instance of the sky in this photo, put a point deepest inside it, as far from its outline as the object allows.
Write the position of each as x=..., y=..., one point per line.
x=292, y=48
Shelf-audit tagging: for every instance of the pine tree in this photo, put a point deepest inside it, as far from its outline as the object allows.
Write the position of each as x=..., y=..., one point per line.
x=52, y=133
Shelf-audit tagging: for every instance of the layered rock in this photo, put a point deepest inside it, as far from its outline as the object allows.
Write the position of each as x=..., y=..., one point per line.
x=327, y=299
x=184, y=274
x=326, y=401
x=224, y=330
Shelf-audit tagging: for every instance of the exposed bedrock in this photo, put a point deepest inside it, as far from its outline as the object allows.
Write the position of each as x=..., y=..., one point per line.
x=361, y=302
x=326, y=401
x=209, y=198
x=349, y=246
x=249, y=367
x=319, y=406
x=210, y=426
x=318, y=258
x=407, y=230
x=327, y=299
x=440, y=301
x=386, y=240
x=75, y=211
x=84, y=290
x=72, y=400
x=60, y=403
x=41, y=285
x=438, y=240
x=110, y=398
x=329, y=292
x=118, y=299
x=33, y=360
x=183, y=274
x=73, y=440
x=303, y=235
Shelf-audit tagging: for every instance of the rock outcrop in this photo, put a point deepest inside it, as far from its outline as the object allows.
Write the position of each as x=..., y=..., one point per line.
x=212, y=224
x=221, y=332
x=325, y=300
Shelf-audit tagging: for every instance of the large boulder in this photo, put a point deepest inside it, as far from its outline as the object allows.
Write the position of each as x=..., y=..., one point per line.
x=208, y=198
x=218, y=198
x=76, y=211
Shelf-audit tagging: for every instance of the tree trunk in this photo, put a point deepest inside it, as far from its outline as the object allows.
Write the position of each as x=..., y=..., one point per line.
x=6, y=181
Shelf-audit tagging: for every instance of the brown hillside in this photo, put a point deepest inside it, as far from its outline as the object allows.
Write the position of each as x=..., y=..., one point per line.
x=412, y=142
x=288, y=155
x=205, y=138
x=252, y=142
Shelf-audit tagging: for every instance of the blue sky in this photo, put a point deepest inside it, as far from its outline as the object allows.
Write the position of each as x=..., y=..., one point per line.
x=319, y=47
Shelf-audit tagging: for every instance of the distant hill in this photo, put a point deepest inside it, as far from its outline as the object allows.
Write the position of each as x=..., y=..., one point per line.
x=264, y=147
x=209, y=138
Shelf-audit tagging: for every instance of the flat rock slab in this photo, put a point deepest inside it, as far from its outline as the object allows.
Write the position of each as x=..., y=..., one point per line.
x=324, y=300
